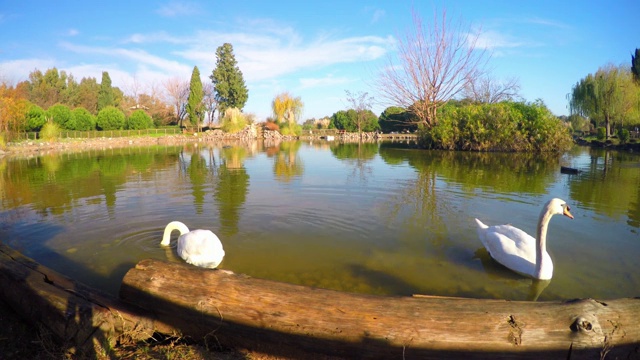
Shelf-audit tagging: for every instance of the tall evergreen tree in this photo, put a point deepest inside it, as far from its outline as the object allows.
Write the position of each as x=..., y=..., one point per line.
x=635, y=65
x=105, y=94
x=227, y=79
x=194, y=103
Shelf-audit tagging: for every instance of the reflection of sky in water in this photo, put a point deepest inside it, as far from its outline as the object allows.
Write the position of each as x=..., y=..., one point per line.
x=390, y=222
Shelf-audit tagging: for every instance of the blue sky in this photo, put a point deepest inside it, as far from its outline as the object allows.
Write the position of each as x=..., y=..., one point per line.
x=314, y=50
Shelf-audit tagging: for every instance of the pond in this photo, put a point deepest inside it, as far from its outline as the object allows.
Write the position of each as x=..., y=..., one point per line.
x=377, y=218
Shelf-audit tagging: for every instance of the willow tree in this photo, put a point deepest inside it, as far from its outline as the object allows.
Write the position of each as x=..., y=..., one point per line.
x=609, y=94
x=286, y=108
x=434, y=65
x=194, y=102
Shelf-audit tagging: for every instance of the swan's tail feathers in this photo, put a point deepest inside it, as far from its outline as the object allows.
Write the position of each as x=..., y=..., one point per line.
x=481, y=225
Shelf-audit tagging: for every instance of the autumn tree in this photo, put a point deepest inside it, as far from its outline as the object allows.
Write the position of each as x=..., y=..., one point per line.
x=194, y=102
x=230, y=89
x=13, y=109
x=435, y=65
x=88, y=94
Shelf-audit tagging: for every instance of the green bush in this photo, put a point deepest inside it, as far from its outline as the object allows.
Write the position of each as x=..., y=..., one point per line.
x=84, y=119
x=110, y=118
x=601, y=133
x=139, y=120
x=624, y=136
x=233, y=121
x=50, y=131
x=36, y=118
x=62, y=115
x=505, y=126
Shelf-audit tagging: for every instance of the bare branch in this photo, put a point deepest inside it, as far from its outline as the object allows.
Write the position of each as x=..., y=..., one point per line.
x=435, y=64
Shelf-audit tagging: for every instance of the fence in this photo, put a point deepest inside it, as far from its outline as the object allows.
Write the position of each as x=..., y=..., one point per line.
x=100, y=134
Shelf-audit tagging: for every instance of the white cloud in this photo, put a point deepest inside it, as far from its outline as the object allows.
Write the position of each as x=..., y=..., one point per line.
x=377, y=15
x=325, y=81
x=14, y=71
x=495, y=40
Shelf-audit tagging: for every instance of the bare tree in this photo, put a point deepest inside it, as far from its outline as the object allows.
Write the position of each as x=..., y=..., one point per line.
x=359, y=102
x=435, y=64
x=486, y=89
x=178, y=93
x=209, y=101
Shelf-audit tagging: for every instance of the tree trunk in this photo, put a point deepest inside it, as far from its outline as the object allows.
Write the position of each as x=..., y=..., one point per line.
x=240, y=311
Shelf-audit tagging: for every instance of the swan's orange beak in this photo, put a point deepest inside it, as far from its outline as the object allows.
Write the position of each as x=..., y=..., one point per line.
x=567, y=213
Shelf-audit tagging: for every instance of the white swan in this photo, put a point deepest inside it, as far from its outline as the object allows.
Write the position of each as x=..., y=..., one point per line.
x=198, y=247
x=518, y=250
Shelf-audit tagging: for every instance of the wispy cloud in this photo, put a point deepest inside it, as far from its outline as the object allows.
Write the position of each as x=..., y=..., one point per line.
x=325, y=81
x=140, y=57
x=73, y=32
x=377, y=15
x=177, y=9
x=492, y=40
x=547, y=23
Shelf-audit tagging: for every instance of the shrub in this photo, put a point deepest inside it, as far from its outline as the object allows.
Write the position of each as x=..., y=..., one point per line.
x=84, y=119
x=110, y=118
x=506, y=126
x=139, y=120
x=269, y=125
x=601, y=133
x=233, y=120
x=50, y=131
x=62, y=115
x=624, y=136
x=36, y=118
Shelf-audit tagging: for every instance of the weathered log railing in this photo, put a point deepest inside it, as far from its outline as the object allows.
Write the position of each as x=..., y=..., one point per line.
x=277, y=318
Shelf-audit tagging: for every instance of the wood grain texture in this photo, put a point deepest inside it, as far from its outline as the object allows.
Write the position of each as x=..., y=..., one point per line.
x=241, y=311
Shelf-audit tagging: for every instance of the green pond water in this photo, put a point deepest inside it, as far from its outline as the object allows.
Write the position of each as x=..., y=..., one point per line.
x=370, y=218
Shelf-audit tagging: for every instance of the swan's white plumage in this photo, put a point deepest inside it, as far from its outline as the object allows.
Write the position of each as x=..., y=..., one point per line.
x=516, y=249
x=197, y=247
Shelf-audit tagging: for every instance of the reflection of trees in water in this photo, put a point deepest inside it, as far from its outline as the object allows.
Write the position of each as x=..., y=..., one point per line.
x=358, y=155
x=287, y=164
x=610, y=184
x=428, y=207
x=44, y=182
x=231, y=188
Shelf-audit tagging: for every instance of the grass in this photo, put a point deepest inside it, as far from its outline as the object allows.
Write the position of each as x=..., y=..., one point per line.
x=22, y=340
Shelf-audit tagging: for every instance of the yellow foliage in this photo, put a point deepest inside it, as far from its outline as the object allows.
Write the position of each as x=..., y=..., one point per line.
x=13, y=109
x=286, y=107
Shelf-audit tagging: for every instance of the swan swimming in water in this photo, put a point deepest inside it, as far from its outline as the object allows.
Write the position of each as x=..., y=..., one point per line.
x=197, y=247
x=518, y=250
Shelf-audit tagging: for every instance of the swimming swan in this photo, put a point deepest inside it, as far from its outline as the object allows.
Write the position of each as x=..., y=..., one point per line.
x=518, y=250
x=198, y=247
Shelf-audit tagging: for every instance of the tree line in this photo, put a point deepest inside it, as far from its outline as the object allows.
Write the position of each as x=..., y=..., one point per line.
x=57, y=98
x=437, y=83
x=608, y=99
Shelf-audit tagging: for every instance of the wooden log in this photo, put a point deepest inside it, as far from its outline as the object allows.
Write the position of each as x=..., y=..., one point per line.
x=240, y=311
x=82, y=318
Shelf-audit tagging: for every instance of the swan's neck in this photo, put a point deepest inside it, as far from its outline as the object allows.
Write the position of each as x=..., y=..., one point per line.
x=174, y=225
x=541, y=239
